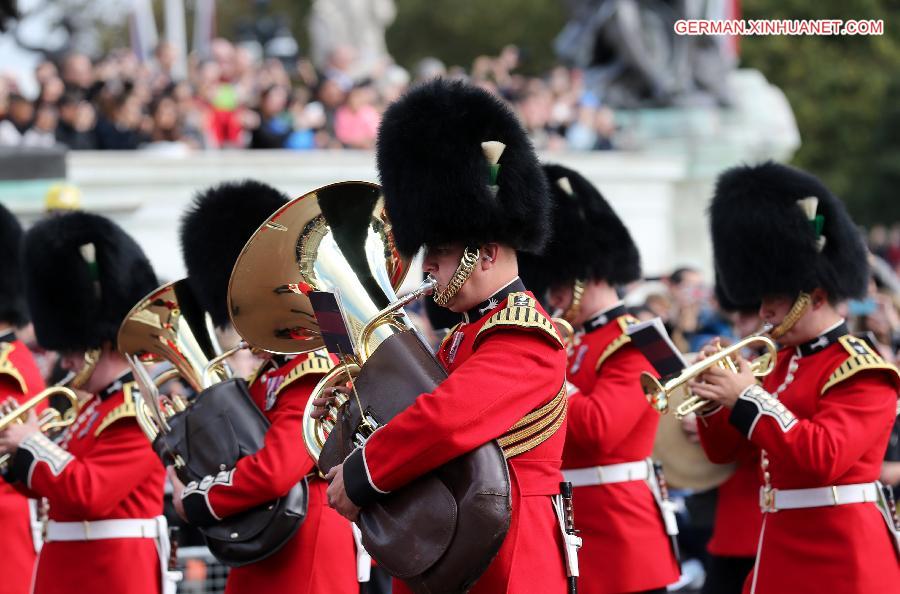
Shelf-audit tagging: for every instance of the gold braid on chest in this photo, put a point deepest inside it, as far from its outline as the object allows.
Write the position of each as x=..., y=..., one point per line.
x=536, y=427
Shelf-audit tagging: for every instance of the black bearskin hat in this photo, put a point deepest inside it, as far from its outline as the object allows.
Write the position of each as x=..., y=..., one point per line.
x=729, y=306
x=213, y=232
x=765, y=243
x=12, y=294
x=83, y=274
x=588, y=241
x=439, y=187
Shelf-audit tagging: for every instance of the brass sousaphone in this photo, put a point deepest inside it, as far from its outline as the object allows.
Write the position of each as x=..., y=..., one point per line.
x=440, y=532
x=207, y=434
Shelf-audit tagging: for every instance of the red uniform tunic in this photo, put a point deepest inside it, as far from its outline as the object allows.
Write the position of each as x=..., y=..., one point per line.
x=738, y=517
x=833, y=429
x=320, y=558
x=494, y=382
x=104, y=469
x=19, y=378
x=610, y=422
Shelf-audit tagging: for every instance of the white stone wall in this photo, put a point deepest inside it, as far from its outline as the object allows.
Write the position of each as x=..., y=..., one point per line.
x=147, y=193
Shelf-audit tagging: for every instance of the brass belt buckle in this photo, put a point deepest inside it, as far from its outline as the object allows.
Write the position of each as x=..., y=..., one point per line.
x=769, y=499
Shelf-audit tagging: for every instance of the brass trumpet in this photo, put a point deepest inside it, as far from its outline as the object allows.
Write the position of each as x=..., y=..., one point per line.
x=661, y=395
x=50, y=418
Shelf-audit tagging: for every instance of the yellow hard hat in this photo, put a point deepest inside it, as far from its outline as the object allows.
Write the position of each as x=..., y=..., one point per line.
x=62, y=197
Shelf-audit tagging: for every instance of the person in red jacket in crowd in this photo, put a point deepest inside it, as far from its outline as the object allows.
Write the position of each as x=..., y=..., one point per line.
x=732, y=547
x=20, y=379
x=102, y=481
x=460, y=177
x=823, y=417
x=320, y=558
x=619, y=505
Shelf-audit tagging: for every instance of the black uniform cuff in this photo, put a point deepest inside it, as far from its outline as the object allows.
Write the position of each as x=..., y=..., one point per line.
x=743, y=416
x=197, y=510
x=755, y=403
x=19, y=467
x=359, y=488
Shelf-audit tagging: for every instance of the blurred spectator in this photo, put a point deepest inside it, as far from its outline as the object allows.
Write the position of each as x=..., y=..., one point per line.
x=695, y=319
x=331, y=97
x=77, y=72
x=338, y=68
x=392, y=85
x=42, y=132
x=275, y=122
x=75, y=128
x=51, y=91
x=356, y=122
x=232, y=99
x=429, y=68
x=535, y=108
x=45, y=71
x=20, y=113
x=878, y=243
x=125, y=128
x=165, y=135
x=892, y=252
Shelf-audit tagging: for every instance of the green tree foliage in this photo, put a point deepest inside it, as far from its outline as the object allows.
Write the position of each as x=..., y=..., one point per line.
x=845, y=92
x=456, y=31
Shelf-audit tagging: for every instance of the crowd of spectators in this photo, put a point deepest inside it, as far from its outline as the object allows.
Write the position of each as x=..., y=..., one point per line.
x=233, y=100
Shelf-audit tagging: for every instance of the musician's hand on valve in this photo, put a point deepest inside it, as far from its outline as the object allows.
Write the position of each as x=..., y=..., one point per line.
x=337, y=494
x=723, y=386
x=328, y=399
x=15, y=434
x=710, y=348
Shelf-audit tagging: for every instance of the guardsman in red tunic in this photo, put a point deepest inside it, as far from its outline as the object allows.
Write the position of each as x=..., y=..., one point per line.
x=103, y=483
x=732, y=548
x=620, y=510
x=460, y=178
x=320, y=558
x=823, y=417
x=19, y=379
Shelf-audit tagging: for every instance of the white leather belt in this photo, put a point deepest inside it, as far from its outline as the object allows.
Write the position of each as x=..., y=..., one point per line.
x=102, y=530
x=611, y=473
x=774, y=500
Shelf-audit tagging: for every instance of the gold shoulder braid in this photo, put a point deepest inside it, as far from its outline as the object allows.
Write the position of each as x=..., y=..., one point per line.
x=861, y=357
x=7, y=367
x=618, y=342
x=536, y=427
x=123, y=411
x=314, y=364
x=520, y=312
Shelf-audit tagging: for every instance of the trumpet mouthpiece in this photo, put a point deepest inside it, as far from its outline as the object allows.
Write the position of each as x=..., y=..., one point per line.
x=429, y=286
